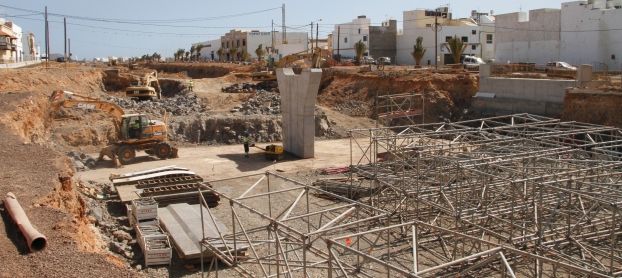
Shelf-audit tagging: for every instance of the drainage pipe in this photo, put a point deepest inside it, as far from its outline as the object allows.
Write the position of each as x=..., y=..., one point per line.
x=36, y=240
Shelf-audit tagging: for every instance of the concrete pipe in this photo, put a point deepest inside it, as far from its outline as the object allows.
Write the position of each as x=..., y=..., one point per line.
x=36, y=240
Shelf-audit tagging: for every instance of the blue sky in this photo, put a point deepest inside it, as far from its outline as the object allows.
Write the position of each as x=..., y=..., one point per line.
x=137, y=27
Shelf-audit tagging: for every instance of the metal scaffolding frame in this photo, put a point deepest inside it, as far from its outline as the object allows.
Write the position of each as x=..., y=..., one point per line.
x=511, y=196
x=523, y=182
x=286, y=237
x=406, y=108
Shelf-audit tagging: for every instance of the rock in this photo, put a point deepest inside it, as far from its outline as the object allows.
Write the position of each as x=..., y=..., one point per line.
x=97, y=213
x=116, y=247
x=139, y=267
x=121, y=235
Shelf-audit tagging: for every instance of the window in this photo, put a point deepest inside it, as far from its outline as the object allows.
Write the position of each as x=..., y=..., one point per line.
x=489, y=38
x=359, y=31
x=364, y=38
x=237, y=42
x=227, y=44
x=473, y=32
x=613, y=56
x=465, y=39
x=345, y=40
x=428, y=25
x=223, y=45
x=244, y=42
x=473, y=47
x=448, y=38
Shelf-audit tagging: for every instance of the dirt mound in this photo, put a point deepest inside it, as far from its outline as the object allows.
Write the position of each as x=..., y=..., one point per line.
x=446, y=94
x=593, y=106
x=200, y=70
x=42, y=181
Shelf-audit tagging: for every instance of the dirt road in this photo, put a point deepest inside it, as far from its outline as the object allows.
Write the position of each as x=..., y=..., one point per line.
x=228, y=161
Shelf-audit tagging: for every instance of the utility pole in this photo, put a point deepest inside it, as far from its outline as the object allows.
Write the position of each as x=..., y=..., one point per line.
x=69, y=46
x=436, y=39
x=283, y=23
x=317, y=34
x=65, y=37
x=47, y=36
x=311, y=41
x=338, y=42
x=272, y=46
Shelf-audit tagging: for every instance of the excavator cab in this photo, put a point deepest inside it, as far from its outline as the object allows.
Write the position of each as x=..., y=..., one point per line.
x=135, y=127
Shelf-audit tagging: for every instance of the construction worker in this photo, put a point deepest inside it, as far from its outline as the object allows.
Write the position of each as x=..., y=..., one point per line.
x=190, y=85
x=246, y=140
x=135, y=129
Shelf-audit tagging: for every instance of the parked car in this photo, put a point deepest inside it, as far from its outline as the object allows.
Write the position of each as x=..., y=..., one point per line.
x=472, y=62
x=559, y=65
x=384, y=60
x=368, y=60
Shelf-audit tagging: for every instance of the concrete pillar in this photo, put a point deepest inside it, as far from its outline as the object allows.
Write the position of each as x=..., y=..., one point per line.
x=584, y=74
x=484, y=70
x=298, y=95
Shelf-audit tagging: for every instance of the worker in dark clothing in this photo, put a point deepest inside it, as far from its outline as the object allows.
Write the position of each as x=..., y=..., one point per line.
x=246, y=140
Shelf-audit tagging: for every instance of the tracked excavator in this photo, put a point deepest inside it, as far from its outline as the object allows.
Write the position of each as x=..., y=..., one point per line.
x=145, y=87
x=135, y=132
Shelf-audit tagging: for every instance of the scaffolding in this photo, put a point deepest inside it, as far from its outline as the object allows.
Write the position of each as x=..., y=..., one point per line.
x=512, y=196
x=522, y=182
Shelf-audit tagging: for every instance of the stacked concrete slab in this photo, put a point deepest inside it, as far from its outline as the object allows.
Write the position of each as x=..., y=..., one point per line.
x=298, y=95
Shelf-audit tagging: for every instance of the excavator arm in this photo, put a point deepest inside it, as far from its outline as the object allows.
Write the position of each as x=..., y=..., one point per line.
x=66, y=99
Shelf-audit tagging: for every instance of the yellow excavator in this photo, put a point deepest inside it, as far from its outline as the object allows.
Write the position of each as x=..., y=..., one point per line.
x=135, y=132
x=145, y=87
x=301, y=59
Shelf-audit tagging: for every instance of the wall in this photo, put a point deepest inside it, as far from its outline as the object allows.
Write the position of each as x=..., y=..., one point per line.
x=296, y=42
x=591, y=36
x=532, y=37
x=349, y=34
x=383, y=40
x=234, y=39
x=520, y=95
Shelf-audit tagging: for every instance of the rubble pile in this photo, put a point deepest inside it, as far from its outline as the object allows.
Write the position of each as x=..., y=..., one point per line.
x=179, y=105
x=81, y=161
x=271, y=86
x=262, y=103
x=354, y=108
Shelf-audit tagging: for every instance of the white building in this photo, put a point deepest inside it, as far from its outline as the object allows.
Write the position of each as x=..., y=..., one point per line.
x=532, y=37
x=11, y=47
x=346, y=35
x=591, y=33
x=581, y=32
x=477, y=32
x=209, y=50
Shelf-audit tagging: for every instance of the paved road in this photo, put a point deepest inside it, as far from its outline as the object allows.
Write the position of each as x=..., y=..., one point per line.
x=216, y=162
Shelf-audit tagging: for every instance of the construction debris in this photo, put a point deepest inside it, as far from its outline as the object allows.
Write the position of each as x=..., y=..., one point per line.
x=152, y=240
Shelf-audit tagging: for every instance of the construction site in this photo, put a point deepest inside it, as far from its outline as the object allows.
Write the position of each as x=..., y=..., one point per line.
x=311, y=165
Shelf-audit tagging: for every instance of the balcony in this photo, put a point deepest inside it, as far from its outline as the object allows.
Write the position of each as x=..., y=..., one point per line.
x=8, y=46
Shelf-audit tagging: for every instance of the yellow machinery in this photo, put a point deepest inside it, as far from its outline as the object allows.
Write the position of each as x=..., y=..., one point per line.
x=135, y=132
x=272, y=152
x=145, y=87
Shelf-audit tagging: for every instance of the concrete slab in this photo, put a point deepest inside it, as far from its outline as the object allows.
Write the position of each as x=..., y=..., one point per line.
x=183, y=224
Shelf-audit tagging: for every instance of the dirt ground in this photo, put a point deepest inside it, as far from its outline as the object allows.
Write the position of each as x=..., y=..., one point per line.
x=40, y=174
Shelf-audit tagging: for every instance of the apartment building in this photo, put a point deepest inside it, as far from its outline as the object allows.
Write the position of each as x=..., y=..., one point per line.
x=11, y=47
x=477, y=31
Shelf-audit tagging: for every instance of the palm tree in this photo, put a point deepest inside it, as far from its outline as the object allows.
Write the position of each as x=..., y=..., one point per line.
x=260, y=52
x=360, y=48
x=192, y=48
x=418, y=51
x=456, y=46
x=221, y=53
x=156, y=56
x=180, y=53
x=187, y=55
x=232, y=53
x=197, y=49
x=245, y=56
